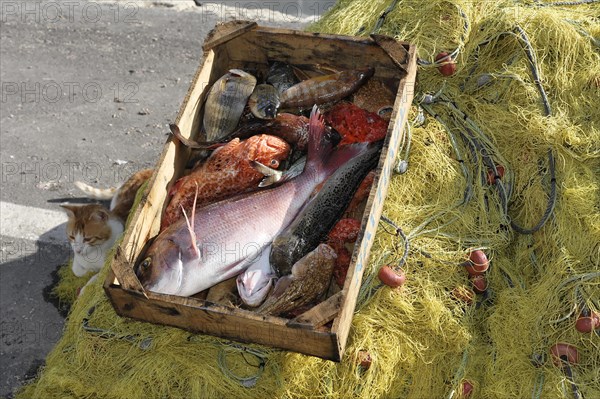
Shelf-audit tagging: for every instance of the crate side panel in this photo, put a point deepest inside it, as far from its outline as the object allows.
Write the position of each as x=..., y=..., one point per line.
x=259, y=46
x=194, y=316
x=378, y=193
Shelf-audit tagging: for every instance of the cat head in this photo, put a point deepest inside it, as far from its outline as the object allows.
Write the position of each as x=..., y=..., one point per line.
x=90, y=226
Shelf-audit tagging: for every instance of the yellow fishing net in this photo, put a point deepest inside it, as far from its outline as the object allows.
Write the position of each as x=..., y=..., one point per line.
x=525, y=96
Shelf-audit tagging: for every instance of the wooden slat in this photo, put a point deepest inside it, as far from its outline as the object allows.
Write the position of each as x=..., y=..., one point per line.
x=244, y=326
x=223, y=32
x=311, y=49
x=397, y=52
x=404, y=96
x=320, y=314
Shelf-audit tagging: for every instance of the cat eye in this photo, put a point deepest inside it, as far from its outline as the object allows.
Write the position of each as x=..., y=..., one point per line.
x=87, y=239
x=71, y=238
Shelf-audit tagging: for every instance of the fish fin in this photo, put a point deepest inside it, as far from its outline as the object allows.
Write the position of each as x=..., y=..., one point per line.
x=299, y=73
x=273, y=176
x=265, y=170
x=183, y=140
x=190, y=225
x=238, y=72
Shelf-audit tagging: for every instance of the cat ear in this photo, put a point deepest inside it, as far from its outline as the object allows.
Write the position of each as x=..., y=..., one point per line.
x=100, y=215
x=69, y=209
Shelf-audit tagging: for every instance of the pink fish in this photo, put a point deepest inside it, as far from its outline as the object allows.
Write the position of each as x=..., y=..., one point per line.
x=223, y=239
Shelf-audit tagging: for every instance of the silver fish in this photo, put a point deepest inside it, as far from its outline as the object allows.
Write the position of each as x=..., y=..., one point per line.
x=223, y=239
x=255, y=283
x=225, y=103
x=264, y=102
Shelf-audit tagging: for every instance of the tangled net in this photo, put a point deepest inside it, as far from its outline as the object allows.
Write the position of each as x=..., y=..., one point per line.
x=503, y=156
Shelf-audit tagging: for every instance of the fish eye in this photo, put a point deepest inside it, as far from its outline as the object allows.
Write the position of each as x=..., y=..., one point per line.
x=146, y=263
x=271, y=110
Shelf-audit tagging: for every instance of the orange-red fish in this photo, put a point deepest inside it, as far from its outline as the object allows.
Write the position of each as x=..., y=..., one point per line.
x=228, y=171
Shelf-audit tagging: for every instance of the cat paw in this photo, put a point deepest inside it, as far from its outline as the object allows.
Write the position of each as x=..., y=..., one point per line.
x=78, y=270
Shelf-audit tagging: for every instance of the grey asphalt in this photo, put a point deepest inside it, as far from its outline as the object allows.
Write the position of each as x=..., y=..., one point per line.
x=88, y=90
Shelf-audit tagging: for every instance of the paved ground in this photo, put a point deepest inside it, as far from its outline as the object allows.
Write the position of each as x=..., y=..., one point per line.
x=87, y=91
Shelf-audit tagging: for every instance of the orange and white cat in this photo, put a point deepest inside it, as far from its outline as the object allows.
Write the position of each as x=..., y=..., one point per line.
x=92, y=229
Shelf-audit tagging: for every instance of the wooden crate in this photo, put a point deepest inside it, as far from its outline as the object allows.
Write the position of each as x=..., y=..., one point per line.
x=242, y=44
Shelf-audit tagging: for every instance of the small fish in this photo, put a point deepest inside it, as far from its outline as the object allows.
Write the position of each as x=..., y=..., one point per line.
x=324, y=89
x=309, y=279
x=264, y=102
x=273, y=176
x=292, y=128
x=227, y=171
x=255, y=283
x=225, y=103
x=317, y=218
x=224, y=238
x=281, y=75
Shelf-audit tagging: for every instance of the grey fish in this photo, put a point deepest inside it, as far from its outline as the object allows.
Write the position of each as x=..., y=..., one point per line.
x=223, y=239
x=281, y=75
x=308, y=280
x=225, y=103
x=264, y=102
x=318, y=217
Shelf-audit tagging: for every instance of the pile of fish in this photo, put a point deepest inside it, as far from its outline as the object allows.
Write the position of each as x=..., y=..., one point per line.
x=270, y=211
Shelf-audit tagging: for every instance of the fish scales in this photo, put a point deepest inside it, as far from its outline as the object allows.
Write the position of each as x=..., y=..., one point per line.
x=225, y=103
x=324, y=89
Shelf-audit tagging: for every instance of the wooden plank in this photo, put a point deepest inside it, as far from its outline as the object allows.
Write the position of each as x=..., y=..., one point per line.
x=221, y=321
x=397, y=52
x=320, y=314
x=360, y=257
x=226, y=31
x=302, y=49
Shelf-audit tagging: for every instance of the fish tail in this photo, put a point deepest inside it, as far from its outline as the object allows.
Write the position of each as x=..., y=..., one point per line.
x=96, y=193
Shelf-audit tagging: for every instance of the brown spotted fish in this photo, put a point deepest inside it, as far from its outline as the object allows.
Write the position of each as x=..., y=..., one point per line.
x=225, y=103
x=309, y=279
x=324, y=89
